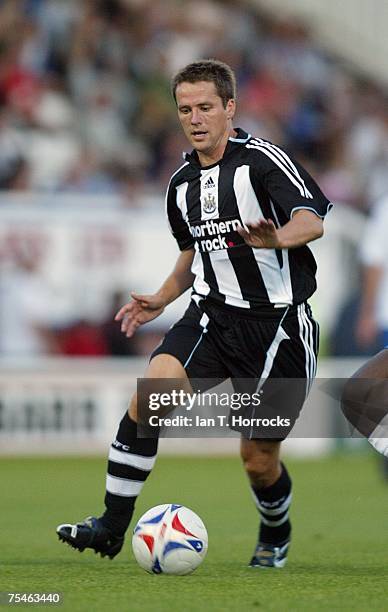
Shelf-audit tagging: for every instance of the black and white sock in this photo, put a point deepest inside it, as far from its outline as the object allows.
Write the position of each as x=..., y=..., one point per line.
x=130, y=462
x=273, y=503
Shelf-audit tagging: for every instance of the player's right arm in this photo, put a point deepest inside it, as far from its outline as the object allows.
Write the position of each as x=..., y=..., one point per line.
x=144, y=308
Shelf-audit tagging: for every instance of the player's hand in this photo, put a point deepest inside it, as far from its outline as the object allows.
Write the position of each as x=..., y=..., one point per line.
x=260, y=234
x=140, y=310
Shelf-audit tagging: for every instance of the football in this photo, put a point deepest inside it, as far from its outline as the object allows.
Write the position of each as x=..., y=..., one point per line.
x=170, y=539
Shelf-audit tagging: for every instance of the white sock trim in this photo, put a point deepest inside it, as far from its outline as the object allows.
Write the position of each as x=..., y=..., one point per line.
x=137, y=461
x=378, y=438
x=123, y=487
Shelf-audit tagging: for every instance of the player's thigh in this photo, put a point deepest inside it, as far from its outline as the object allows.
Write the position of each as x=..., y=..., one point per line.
x=185, y=353
x=375, y=367
x=165, y=365
x=191, y=342
x=364, y=399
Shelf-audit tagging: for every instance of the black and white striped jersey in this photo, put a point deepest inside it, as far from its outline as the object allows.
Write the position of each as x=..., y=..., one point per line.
x=205, y=205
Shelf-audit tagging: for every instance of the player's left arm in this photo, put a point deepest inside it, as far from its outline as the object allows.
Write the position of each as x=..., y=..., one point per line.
x=298, y=205
x=305, y=226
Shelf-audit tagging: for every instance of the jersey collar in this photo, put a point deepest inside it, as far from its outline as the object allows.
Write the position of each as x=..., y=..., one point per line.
x=233, y=144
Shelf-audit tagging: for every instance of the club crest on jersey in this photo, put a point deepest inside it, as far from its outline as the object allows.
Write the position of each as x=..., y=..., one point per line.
x=209, y=204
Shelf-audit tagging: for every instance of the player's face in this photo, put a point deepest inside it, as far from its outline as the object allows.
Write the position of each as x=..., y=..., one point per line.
x=205, y=121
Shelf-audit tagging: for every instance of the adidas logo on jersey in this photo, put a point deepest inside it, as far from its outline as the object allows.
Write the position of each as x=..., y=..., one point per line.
x=210, y=184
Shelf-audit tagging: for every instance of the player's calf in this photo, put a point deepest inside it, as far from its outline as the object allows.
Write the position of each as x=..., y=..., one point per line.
x=271, y=490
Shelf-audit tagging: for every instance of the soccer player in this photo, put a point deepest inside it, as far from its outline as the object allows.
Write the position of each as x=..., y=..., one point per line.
x=242, y=212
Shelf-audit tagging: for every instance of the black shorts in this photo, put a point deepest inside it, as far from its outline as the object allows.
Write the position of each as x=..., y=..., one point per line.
x=219, y=342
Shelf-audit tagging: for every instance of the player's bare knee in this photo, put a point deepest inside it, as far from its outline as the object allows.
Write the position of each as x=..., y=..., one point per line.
x=165, y=366
x=162, y=367
x=260, y=470
x=261, y=463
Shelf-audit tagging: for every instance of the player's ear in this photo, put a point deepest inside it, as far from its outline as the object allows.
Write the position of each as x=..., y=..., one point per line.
x=230, y=108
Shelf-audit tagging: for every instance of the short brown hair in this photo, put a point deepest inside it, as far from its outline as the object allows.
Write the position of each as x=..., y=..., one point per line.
x=208, y=70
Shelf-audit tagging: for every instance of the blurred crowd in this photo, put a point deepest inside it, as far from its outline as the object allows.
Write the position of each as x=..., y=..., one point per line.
x=85, y=107
x=85, y=103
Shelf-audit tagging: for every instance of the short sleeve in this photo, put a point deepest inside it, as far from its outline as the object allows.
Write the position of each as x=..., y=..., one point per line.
x=288, y=184
x=178, y=226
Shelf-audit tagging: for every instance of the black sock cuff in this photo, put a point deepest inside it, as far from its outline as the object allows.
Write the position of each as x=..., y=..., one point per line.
x=127, y=429
x=279, y=488
x=127, y=436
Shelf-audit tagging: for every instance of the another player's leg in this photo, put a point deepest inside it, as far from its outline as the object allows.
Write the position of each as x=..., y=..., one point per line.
x=130, y=462
x=365, y=401
x=271, y=489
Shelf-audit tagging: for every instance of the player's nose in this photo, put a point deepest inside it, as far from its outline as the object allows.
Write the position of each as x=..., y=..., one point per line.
x=195, y=117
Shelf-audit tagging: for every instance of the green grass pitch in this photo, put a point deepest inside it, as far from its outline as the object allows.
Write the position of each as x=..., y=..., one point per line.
x=338, y=559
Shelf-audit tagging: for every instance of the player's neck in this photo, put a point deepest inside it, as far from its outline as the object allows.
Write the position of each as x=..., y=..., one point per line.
x=207, y=158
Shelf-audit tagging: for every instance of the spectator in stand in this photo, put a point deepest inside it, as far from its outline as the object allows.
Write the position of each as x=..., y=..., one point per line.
x=90, y=74
x=30, y=310
x=14, y=168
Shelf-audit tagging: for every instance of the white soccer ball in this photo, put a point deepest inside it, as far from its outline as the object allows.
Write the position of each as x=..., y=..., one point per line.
x=170, y=539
